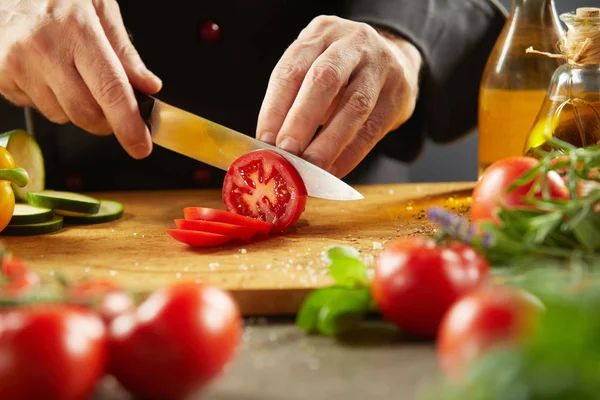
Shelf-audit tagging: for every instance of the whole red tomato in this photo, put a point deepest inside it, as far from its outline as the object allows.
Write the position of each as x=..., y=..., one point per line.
x=51, y=352
x=416, y=281
x=481, y=320
x=491, y=190
x=176, y=341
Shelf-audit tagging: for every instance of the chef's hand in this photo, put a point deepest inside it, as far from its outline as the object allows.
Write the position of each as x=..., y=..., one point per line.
x=74, y=62
x=367, y=80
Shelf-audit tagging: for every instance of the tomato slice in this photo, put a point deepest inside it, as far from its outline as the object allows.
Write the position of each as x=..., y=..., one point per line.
x=263, y=185
x=214, y=215
x=235, y=231
x=197, y=238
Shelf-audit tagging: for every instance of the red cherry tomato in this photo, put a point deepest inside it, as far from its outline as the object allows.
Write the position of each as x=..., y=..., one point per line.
x=214, y=215
x=481, y=320
x=176, y=342
x=19, y=278
x=263, y=185
x=498, y=177
x=105, y=296
x=51, y=352
x=235, y=231
x=415, y=282
x=197, y=238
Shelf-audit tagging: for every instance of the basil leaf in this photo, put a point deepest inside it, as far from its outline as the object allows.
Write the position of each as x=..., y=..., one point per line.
x=346, y=267
x=343, y=311
x=538, y=228
x=334, y=310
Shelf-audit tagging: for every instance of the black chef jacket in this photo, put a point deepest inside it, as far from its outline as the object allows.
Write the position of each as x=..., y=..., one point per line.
x=225, y=79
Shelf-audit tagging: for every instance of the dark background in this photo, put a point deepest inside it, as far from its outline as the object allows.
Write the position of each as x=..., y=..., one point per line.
x=450, y=162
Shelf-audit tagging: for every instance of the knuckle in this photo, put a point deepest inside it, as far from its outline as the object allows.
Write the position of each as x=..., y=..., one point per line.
x=289, y=74
x=371, y=131
x=111, y=91
x=76, y=17
x=363, y=31
x=327, y=74
x=57, y=116
x=360, y=103
x=322, y=21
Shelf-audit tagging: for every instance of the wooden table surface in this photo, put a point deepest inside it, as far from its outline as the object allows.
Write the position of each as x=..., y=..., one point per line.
x=266, y=277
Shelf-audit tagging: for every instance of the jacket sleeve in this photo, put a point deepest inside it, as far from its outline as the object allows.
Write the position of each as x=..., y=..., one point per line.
x=455, y=38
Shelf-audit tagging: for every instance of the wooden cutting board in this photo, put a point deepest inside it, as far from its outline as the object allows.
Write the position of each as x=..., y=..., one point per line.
x=268, y=277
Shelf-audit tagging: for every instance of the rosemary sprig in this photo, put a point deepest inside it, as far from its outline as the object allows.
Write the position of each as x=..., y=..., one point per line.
x=548, y=227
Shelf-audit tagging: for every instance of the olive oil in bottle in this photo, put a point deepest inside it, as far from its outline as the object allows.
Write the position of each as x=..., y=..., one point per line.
x=514, y=83
x=571, y=108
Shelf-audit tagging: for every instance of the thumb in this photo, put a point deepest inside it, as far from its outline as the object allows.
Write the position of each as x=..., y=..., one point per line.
x=139, y=75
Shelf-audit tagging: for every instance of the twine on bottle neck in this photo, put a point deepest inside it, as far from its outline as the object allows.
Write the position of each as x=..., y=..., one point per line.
x=578, y=46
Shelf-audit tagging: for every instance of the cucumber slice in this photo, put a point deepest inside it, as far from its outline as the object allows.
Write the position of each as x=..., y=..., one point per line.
x=27, y=154
x=65, y=201
x=25, y=214
x=109, y=211
x=54, y=225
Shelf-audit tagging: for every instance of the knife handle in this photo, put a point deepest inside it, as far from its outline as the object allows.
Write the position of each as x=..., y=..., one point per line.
x=145, y=105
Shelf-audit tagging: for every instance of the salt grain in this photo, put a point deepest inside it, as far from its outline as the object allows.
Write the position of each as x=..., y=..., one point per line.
x=112, y=273
x=243, y=251
x=214, y=265
x=268, y=266
x=377, y=246
x=178, y=275
x=391, y=192
x=86, y=270
x=186, y=269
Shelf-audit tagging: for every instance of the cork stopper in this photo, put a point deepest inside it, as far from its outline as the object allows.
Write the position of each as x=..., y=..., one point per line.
x=587, y=12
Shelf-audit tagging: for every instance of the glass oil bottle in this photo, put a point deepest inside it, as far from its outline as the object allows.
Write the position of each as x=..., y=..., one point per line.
x=571, y=108
x=514, y=83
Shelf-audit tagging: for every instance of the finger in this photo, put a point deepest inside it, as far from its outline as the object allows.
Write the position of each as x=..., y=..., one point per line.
x=43, y=100
x=355, y=107
x=103, y=73
x=283, y=86
x=77, y=101
x=12, y=93
x=112, y=22
x=379, y=122
x=326, y=77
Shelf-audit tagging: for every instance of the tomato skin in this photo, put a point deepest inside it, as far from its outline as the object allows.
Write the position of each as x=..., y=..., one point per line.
x=263, y=185
x=214, y=215
x=197, y=238
x=415, y=282
x=220, y=228
x=177, y=340
x=483, y=319
x=491, y=188
x=51, y=352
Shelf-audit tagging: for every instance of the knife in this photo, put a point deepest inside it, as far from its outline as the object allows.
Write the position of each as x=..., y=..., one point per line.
x=219, y=146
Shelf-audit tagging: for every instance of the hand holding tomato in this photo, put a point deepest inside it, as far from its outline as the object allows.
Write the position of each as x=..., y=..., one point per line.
x=366, y=79
x=416, y=281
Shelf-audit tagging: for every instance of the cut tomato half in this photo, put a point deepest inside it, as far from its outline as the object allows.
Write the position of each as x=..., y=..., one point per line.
x=197, y=238
x=214, y=215
x=263, y=185
x=221, y=228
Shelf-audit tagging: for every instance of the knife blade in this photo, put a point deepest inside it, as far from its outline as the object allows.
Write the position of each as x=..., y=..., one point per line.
x=214, y=144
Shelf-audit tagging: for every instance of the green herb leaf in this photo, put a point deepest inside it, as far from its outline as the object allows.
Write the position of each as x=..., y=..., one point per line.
x=334, y=311
x=346, y=266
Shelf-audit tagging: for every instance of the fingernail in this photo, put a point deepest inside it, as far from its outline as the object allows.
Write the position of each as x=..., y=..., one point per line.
x=268, y=137
x=290, y=145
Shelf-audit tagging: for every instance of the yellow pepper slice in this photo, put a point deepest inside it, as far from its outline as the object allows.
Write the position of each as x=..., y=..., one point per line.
x=9, y=174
